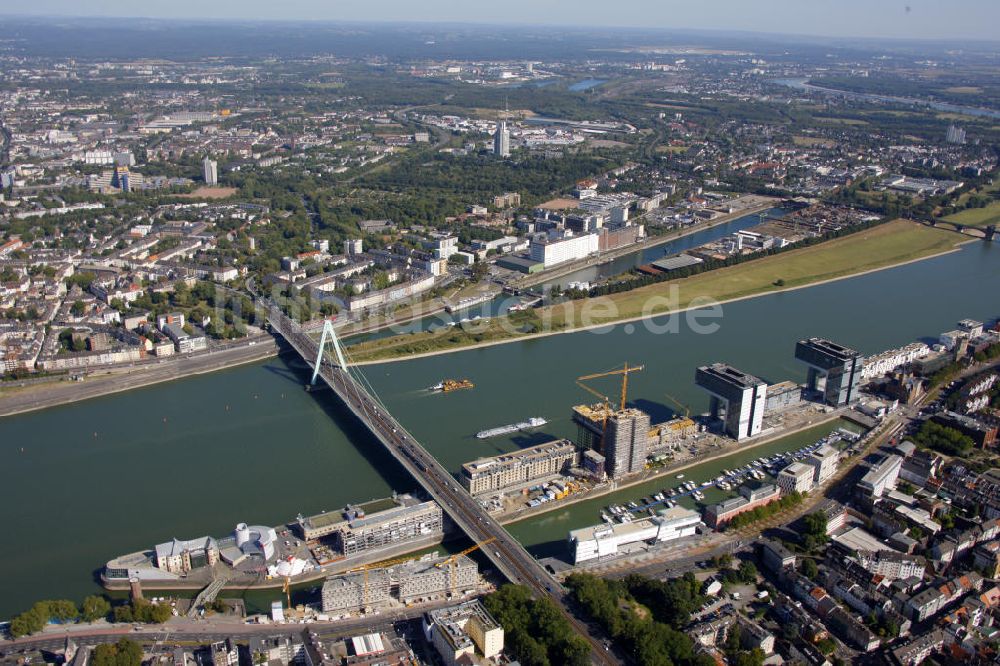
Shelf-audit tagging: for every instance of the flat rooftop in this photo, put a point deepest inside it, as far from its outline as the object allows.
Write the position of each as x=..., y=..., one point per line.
x=730, y=375
x=830, y=348
x=857, y=538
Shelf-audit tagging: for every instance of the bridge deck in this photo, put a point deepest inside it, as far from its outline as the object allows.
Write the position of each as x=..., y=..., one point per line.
x=509, y=556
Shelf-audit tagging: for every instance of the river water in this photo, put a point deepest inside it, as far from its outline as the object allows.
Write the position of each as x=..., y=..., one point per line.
x=947, y=107
x=83, y=482
x=502, y=303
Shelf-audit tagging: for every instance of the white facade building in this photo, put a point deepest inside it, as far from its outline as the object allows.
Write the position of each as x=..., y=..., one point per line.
x=887, y=361
x=881, y=476
x=551, y=252
x=210, y=171
x=797, y=477
x=589, y=543
x=824, y=461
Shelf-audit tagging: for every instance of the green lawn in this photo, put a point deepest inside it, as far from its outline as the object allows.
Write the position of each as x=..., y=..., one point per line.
x=888, y=244
x=977, y=217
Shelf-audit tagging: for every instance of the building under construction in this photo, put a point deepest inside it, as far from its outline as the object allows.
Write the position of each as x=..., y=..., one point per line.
x=621, y=436
x=408, y=582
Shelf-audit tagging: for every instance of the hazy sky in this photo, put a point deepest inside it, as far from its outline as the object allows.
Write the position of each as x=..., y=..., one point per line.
x=948, y=19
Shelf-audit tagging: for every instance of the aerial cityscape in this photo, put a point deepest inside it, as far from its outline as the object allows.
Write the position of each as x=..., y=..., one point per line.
x=343, y=335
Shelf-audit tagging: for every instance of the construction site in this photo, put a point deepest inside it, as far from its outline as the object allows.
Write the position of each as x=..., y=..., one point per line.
x=403, y=582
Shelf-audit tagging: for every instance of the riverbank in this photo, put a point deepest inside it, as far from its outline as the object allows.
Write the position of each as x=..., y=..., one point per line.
x=16, y=400
x=521, y=516
x=663, y=472
x=890, y=245
x=757, y=204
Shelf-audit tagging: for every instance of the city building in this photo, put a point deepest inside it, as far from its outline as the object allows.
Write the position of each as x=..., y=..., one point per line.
x=353, y=531
x=881, y=476
x=891, y=564
x=352, y=592
x=406, y=583
x=776, y=556
x=501, y=139
x=621, y=436
x=834, y=371
x=510, y=471
x=353, y=247
x=797, y=477
x=461, y=633
x=782, y=395
x=180, y=557
x=982, y=434
x=824, y=460
x=210, y=171
x=737, y=399
x=718, y=515
x=604, y=540
x=553, y=251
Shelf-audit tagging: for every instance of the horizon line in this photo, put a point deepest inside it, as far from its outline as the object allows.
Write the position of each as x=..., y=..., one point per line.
x=499, y=24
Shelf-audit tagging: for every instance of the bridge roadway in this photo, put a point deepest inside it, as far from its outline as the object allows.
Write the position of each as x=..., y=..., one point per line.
x=509, y=556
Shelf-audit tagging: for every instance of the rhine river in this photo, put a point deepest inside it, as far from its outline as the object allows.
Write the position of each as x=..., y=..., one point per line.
x=84, y=482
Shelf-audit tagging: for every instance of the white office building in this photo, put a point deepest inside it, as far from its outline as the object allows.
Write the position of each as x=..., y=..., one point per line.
x=501, y=139
x=597, y=541
x=210, y=170
x=737, y=398
x=797, y=477
x=824, y=461
x=554, y=251
x=881, y=476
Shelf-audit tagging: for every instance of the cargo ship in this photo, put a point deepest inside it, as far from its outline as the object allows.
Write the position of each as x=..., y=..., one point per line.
x=446, y=385
x=533, y=422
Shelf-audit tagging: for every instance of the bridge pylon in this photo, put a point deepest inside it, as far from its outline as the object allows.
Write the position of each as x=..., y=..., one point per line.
x=328, y=332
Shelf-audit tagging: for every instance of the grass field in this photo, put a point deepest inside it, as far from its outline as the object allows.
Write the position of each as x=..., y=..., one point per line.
x=892, y=243
x=811, y=141
x=888, y=244
x=977, y=217
x=205, y=192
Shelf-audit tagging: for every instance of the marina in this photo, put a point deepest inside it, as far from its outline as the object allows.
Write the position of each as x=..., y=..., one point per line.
x=274, y=452
x=759, y=469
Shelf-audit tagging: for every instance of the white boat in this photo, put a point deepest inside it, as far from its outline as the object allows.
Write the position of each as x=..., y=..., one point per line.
x=533, y=422
x=680, y=476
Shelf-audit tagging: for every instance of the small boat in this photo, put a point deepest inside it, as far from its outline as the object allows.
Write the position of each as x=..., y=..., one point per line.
x=447, y=385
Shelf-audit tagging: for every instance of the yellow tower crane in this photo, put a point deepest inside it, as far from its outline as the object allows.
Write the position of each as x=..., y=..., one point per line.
x=624, y=372
x=687, y=410
x=451, y=561
x=365, y=568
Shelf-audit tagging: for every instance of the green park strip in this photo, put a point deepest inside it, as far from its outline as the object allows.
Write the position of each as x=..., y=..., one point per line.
x=883, y=246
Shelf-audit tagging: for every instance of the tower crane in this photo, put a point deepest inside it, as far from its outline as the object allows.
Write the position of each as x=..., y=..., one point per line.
x=685, y=408
x=624, y=372
x=451, y=561
x=365, y=568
